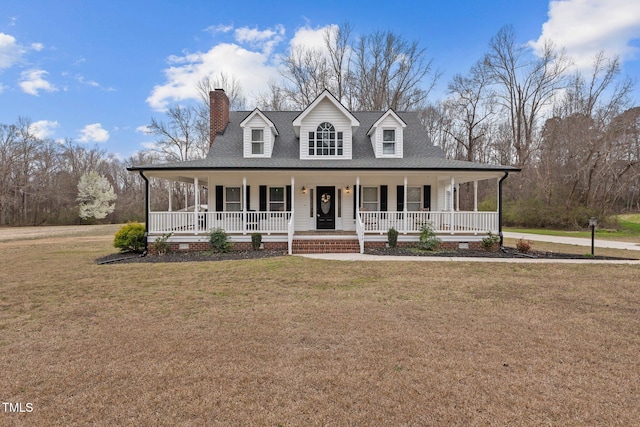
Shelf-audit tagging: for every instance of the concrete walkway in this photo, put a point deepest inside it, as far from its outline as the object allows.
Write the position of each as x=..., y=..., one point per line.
x=367, y=257
x=535, y=237
x=578, y=241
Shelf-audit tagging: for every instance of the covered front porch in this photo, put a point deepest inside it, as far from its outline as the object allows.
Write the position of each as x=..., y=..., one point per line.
x=286, y=206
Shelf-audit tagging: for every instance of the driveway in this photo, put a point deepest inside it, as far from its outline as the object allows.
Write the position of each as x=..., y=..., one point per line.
x=578, y=241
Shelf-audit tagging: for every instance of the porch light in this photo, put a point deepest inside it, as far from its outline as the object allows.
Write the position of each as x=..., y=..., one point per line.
x=347, y=190
x=304, y=190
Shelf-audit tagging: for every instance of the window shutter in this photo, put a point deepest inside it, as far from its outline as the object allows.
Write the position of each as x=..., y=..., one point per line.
x=263, y=198
x=219, y=198
x=383, y=198
x=248, y=198
x=400, y=198
x=287, y=196
x=426, y=197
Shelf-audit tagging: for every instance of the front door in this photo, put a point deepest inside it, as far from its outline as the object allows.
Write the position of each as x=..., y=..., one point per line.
x=326, y=208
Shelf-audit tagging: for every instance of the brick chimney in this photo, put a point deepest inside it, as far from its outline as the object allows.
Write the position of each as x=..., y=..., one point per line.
x=219, y=113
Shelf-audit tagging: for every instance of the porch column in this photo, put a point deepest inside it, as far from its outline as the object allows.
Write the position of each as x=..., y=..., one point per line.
x=475, y=196
x=196, y=208
x=186, y=198
x=457, y=197
x=452, y=219
x=404, y=205
x=357, y=195
x=475, y=206
x=293, y=194
x=290, y=229
x=244, y=205
x=170, y=201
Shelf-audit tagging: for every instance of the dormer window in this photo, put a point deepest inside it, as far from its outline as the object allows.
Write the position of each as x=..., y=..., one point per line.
x=258, y=135
x=325, y=141
x=257, y=141
x=389, y=142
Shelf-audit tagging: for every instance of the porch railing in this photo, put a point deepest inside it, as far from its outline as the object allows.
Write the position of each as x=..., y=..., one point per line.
x=231, y=222
x=442, y=221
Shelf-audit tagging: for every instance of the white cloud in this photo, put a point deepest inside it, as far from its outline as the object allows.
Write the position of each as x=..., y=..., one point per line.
x=266, y=40
x=251, y=60
x=94, y=133
x=221, y=28
x=149, y=145
x=586, y=27
x=10, y=51
x=43, y=128
x=310, y=38
x=33, y=81
x=252, y=69
x=92, y=83
x=144, y=129
x=37, y=46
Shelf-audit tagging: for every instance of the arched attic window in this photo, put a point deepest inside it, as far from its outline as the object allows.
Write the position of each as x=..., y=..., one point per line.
x=325, y=141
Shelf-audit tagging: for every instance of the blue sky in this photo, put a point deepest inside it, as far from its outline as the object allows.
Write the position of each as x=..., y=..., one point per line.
x=97, y=71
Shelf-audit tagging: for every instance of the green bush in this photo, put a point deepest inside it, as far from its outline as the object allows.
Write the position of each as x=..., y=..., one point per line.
x=392, y=237
x=428, y=239
x=219, y=240
x=161, y=245
x=256, y=241
x=491, y=242
x=130, y=237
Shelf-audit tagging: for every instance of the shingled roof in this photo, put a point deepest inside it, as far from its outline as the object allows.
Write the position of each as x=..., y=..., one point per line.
x=419, y=153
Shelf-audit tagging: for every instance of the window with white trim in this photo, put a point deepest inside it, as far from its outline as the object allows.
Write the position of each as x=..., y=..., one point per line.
x=233, y=201
x=257, y=141
x=276, y=199
x=325, y=141
x=414, y=198
x=370, y=199
x=388, y=141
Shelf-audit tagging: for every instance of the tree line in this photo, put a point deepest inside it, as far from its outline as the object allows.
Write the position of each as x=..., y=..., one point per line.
x=575, y=136
x=39, y=178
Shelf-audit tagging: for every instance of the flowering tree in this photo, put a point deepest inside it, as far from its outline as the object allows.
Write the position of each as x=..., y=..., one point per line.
x=96, y=196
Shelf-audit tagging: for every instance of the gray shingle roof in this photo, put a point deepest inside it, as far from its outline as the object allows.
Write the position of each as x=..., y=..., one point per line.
x=419, y=153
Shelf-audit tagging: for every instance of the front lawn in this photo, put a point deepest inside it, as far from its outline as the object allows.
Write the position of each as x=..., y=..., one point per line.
x=294, y=341
x=628, y=230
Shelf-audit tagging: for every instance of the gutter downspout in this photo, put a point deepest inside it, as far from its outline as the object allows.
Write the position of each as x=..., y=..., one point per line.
x=506, y=174
x=146, y=213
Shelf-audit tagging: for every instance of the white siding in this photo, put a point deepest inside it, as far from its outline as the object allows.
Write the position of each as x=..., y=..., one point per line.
x=325, y=111
x=388, y=122
x=256, y=122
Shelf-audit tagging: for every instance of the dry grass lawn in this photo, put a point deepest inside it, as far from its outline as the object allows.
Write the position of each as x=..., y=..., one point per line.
x=291, y=341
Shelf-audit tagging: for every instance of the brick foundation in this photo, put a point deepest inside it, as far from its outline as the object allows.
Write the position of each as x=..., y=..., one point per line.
x=236, y=246
x=443, y=245
x=313, y=246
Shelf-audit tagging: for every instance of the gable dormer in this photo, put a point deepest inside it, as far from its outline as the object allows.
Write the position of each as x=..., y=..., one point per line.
x=325, y=129
x=259, y=134
x=387, y=135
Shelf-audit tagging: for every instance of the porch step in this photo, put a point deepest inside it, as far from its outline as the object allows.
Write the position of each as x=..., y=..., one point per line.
x=325, y=246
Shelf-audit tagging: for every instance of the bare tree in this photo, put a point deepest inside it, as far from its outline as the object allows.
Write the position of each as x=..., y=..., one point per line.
x=307, y=73
x=589, y=151
x=381, y=70
x=231, y=86
x=389, y=72
x=525, y=85
x=8, y=159
x=178, y=139
x=470, y=107
x=274, y=98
